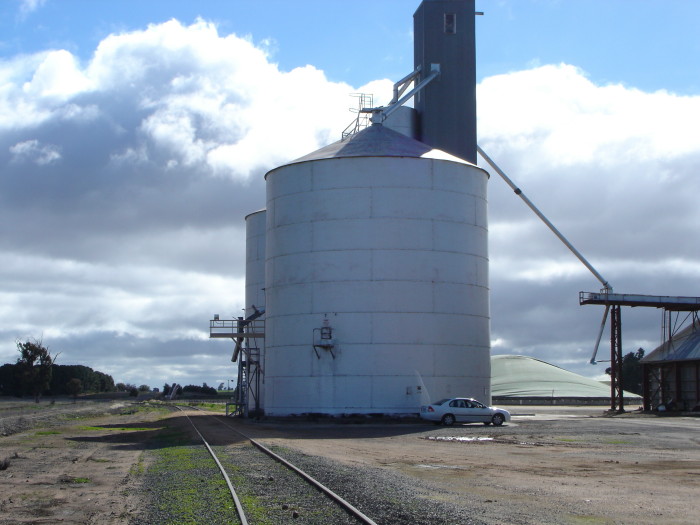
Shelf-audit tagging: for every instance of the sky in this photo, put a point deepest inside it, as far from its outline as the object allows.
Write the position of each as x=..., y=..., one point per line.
x=134, y=137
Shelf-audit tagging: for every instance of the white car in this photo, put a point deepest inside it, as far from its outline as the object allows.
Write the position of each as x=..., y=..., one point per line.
x=463, y=409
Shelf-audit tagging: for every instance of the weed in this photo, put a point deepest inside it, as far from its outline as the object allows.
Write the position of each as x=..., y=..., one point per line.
x=121, y=429
x=137, y=468
x=4, y=464
x=47, y=432
x=69, y=479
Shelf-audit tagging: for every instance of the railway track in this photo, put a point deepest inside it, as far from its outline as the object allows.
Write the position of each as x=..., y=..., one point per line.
x=351, y=511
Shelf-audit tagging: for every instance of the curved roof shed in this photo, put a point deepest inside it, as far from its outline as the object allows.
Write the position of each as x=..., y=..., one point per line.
x=524, y=376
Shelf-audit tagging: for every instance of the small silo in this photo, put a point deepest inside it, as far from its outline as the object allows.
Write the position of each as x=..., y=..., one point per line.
x=255, y=261
x=376, y=277
x=252, y=353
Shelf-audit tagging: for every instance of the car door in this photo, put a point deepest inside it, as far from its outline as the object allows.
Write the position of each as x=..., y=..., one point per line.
x=478, y=412
x=458, y=407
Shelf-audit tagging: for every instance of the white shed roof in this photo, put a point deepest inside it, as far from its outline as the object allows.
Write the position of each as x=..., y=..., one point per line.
x=524, y=376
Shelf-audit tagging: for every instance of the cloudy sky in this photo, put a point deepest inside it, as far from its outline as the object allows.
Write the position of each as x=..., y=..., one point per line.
x=134, y=137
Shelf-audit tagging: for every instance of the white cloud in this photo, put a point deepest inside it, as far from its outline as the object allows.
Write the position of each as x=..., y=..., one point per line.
x=33, y=151
x=157, y=145
x=155, y=148
x=563, y=119
x=26, y=7
x=613, y=168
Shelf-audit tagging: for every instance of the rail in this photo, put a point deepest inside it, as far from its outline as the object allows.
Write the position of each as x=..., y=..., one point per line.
x=345, y=505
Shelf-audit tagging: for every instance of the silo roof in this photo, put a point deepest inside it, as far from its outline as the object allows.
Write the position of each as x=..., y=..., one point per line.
x=524, y=376
x=684, y=346
x=378, y=141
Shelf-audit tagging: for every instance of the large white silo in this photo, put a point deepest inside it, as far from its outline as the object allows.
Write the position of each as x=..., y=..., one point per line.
x=376, y=278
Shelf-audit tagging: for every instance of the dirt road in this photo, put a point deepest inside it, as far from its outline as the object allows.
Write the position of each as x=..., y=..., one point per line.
x=545, y=466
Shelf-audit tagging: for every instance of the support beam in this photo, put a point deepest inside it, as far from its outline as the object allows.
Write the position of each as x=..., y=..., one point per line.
x=617, y=402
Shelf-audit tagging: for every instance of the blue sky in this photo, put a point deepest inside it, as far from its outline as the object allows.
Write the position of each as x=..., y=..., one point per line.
x=134, y=137
x=648, y=44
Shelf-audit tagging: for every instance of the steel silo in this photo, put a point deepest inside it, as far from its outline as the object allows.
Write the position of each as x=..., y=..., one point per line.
x=376, y=276
x=255, y=261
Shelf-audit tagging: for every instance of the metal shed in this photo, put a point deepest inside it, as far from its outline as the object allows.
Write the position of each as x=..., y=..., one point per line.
x=672, y=372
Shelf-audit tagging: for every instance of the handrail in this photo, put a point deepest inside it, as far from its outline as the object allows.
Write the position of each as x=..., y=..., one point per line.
x=235, y=328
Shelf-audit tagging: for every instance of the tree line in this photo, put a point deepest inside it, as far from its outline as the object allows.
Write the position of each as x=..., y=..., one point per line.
x=11, y=382
x=36, y=374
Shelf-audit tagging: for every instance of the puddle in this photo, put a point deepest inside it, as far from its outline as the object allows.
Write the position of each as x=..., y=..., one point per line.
x=435, y=467
x=458, y=439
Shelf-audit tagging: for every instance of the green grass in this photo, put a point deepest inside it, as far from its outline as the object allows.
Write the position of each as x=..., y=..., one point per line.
x=77, y=481
x=47, y=432
x=81, y=480
x=137, y=469
x=145, y=407
x=190, y=489
x=121, y=429
x=206, y=405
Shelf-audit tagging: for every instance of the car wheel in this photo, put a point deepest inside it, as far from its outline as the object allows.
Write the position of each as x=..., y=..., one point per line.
x=448, y=420
x=498, y=419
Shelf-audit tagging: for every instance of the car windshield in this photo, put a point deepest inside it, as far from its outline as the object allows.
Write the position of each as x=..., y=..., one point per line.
x=442, y=401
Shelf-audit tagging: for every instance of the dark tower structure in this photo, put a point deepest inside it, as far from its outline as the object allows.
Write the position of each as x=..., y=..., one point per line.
x=444, y=35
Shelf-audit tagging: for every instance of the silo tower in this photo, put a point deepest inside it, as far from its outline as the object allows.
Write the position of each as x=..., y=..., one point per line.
x=375, y=250
x=444, y=35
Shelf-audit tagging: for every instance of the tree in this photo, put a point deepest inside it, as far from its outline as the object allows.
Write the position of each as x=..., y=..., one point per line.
x=74, y=387
x=144, y=388
x=631, y=372
x=34, y=366
x=91, y=380
x=9, y=380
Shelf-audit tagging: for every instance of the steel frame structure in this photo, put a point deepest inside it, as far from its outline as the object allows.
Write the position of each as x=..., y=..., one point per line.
x=244, y=333
x=669, y=304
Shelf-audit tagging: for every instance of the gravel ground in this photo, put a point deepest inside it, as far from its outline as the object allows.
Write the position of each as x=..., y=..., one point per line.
x=383, y=495
x=271, y=493
x=19, y=417
x=136, y=465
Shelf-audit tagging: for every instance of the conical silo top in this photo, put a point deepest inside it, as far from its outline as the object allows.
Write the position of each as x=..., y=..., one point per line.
x=378, y=141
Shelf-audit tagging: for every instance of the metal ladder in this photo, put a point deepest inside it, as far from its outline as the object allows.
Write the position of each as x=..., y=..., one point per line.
x=364, y=100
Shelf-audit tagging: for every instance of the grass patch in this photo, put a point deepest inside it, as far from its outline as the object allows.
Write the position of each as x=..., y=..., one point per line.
x=75, y=481
x=617, y=442
x=137, y=468
x=121, y=429
x=145, y=407
x=81, y=480
x=214, y=407
x=47, y=432
x=189, y=487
